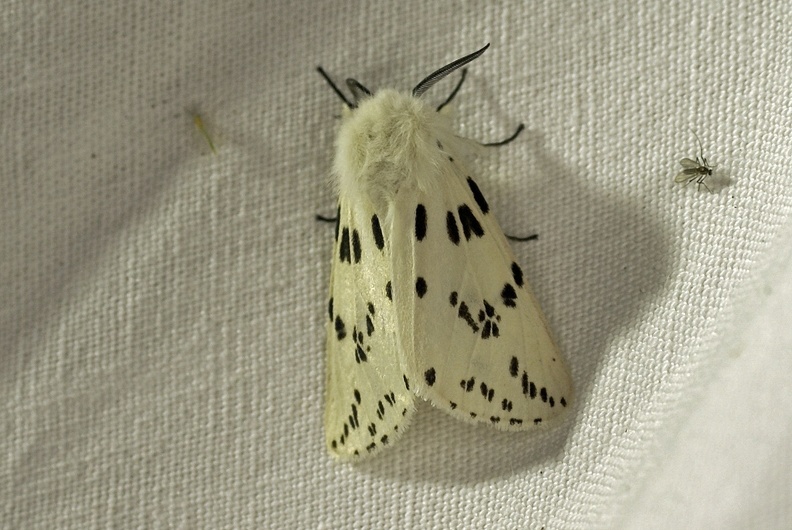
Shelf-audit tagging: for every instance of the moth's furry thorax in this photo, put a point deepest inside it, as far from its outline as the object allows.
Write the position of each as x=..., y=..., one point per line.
x=390, y=141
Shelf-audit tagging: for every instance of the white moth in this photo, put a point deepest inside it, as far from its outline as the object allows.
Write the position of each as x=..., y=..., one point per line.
x=426, y=297
x=697, y=170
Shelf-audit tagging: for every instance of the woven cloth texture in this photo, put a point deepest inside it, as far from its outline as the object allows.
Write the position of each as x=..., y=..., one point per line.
x=162, y=307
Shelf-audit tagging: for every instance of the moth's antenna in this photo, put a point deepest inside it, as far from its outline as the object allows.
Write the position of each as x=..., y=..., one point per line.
x=437, y=75
x=335, y=88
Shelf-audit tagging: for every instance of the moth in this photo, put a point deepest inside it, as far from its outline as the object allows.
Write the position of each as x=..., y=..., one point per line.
x=427, y=300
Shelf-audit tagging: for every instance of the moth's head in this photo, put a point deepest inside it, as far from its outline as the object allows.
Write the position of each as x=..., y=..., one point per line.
x=383, y=132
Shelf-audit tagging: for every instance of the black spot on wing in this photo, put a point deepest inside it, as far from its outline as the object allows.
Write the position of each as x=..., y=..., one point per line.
x=388, y=291
x=451, y=228
x=357, y=396
x=470, y=225
x=343, y=249
x=468, y=385
x=488, y=319
x=517, y=274
x=464, y=314
x=360, y=355
x=430, y=376
x=420, y=287
x=356, y=245
x=376, y=229
x=340, y=328
x=330, y=308
x=528, y=387
x=452, y=299
x=488, y=309
x=514, y=367
x=480, y=200
x=509, y=295
x=488, y=393
x=420, y=222
x=406, y=382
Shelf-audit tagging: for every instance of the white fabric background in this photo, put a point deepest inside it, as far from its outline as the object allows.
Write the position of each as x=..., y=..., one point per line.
x=162, y=309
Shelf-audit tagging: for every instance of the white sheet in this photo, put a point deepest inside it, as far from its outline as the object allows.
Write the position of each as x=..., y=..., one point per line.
x=162, y=308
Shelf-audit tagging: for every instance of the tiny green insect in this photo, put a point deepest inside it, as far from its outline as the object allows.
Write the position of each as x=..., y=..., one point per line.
x=198, y=122
x=697, y=170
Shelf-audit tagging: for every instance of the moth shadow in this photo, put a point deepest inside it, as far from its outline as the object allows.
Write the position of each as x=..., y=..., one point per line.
x=597, y=268
x=443, y=450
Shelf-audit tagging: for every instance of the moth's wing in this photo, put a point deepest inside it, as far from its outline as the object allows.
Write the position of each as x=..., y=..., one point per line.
x=689, y=164
x=368, y=401
x=475, y=340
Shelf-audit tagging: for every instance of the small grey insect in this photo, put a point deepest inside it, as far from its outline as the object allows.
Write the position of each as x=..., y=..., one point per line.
x=697, y=170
